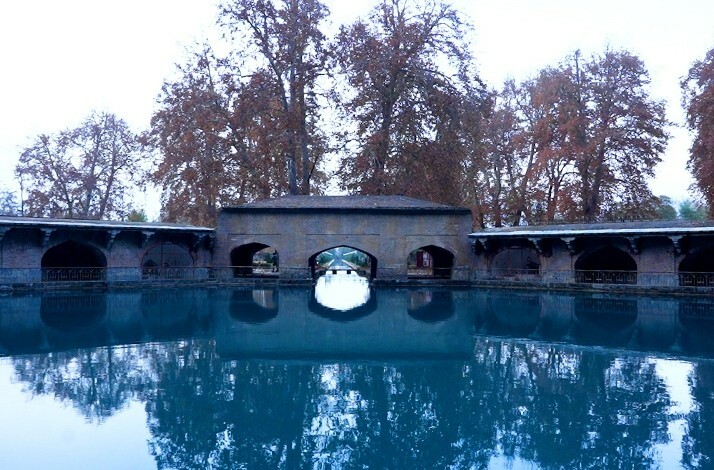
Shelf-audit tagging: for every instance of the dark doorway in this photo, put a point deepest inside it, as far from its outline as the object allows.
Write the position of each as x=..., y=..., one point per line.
x=606, y=265
x=73, y=261
x=167, y=261
x=697, y=269
x=516, y=261
x=430, y=262
x=255, y=260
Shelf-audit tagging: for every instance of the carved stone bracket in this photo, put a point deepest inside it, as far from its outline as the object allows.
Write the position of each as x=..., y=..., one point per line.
x=570, y=243
x=634, y=245
x=46, y=234
x=111, y=236
x=144, y=237
x=198, y=238
x=677, y=243
x=539, y=245
x=481, y=245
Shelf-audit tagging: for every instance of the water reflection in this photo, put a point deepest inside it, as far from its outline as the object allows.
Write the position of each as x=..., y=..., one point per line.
x=254, y=306
x=429, y=305
x=384, y=328
x=511, y=385
x=342, y=291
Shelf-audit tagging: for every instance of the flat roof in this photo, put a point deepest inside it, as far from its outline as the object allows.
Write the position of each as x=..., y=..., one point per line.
x=46, y=222
x=390, y=204
x=652, y=228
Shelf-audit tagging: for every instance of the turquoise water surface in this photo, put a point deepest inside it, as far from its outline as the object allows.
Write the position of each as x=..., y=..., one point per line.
x=354, y=377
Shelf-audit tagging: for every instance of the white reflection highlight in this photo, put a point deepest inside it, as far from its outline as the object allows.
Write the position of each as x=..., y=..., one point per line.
x=342, y=291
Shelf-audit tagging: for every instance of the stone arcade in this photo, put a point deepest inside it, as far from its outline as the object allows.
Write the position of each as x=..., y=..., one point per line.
x=39, y=251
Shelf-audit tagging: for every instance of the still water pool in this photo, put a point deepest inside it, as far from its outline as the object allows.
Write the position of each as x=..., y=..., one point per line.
x=399, y=378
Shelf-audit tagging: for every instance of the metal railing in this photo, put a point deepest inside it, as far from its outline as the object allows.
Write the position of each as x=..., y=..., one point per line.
x=688, y=280
x=605, y=277
x=73, y=274
x=169, y=273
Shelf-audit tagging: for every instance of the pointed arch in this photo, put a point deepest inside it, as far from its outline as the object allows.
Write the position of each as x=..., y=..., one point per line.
x=166, y=260
x=255, y=259
x=697, y=268
x=430, y=261
x=73, y=261
x=316, y=269
x=606, y=265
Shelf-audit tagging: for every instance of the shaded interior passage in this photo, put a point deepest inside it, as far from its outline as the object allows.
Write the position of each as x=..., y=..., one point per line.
x=255, y=259
x=430, y=262
x=166, y=260
x=343, y=259
x=606, y=265
x=697, y=269
x=73, y=261
x=516, y=260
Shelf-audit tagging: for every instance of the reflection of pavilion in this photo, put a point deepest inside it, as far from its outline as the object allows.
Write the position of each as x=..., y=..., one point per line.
x=386, y=326
x=403, y=323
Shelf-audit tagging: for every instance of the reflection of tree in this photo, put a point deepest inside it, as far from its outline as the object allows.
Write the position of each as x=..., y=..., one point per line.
x=98, y=381
x=554, y=406
x=211, y=413
x=698, y=444
x=540, y=403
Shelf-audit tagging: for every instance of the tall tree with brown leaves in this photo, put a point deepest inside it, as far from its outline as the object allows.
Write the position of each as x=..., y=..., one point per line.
x=83, y=172
x=196, y=169
x=583, y=138
x=621, y=133
x=698, y=94
x=281, y=42
x=411, y=85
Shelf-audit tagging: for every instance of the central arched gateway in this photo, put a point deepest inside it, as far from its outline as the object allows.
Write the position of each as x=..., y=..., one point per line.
x=343, y=258
x=387, y=228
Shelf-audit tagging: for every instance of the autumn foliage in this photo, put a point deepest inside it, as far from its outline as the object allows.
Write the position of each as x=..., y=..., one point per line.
x=575, y=143
x=84, y=172
x=389, y=104
x=698, y=88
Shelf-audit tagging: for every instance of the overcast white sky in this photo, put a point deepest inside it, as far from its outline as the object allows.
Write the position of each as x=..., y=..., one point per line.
x=63, y=59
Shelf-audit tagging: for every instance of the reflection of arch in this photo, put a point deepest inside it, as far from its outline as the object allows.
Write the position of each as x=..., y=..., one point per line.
x=72, y=312
x=430, y=306
x=697, y=320
x=605, y=320
x=353, y=314
x=312, y=261
x=512, y=314
x=697, y=268
x=606, y=265
x=440, y=262
x=254, y=306
x=516, y=260
x=169, y=313
x=244, y=264
x=73, y=261
x=166, y=260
